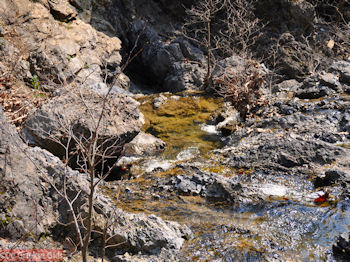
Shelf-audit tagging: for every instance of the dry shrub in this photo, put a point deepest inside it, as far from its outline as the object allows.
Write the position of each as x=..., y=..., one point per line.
x=243, y=88
x=222, y=28
x=18, y=101
x=335, y=17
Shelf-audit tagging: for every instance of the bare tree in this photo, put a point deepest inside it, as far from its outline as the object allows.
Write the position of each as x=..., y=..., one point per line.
x=240, y=28
x=243, y=88
x=222, y=28
x=198, y=29
x=335, y=17
x=89, y=152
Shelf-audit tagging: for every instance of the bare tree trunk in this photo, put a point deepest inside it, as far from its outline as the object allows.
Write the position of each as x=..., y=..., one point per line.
x=208, y=77
x=87, y=238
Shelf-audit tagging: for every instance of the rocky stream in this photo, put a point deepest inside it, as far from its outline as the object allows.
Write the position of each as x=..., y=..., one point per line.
x=252, y=195
x=193, y=181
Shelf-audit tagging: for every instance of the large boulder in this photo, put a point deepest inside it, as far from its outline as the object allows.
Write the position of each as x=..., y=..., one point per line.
x=79, y=113
x=302, y=12
x=343, y=69
x=168, y=62
x=59, y=47
x=144, y=145
x=31, y=181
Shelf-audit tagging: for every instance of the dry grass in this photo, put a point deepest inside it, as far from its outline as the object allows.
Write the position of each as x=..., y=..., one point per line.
x=18, y=101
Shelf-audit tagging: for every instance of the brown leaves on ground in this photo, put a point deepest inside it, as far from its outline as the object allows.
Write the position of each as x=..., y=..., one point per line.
x=18, y=101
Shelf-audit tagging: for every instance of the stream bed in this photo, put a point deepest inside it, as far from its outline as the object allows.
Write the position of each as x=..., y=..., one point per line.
x=236, y=210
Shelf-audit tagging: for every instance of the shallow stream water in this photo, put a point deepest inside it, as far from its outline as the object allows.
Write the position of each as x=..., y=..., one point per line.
x=279, y=222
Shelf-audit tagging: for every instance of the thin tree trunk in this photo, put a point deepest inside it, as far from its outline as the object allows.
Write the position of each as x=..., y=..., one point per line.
x=85, y=247
x=208, y=77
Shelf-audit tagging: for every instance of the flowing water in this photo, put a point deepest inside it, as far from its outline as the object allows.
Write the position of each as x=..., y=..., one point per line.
x=282, y=224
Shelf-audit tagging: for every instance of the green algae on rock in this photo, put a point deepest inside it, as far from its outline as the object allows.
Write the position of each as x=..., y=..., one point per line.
x=178, y=122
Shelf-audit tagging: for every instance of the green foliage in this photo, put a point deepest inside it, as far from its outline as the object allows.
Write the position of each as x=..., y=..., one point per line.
x=35, y=82
x=70, y=57
x=2, y=42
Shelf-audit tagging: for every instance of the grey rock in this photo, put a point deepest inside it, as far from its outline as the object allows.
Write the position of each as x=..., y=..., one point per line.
x=102, y=89
x=313, y=92
x=311, y=89
x=235, y=63
x=211, y=186
x=187, y=187
x=159, y=101
x=148, y=234
x=12, y=56
x=144, y=145
x=286, y=86
x=62, y=10
x=60, y=51
x=303, y=12
x=345, y=122
x=329, y=80
x=281, y=152
x=223, y=189
x=330, y=177
x=343, y=68
x=288, y=160
x=184, y=75
x=229, y=124
x=296, y=57
x=31, y=204
x=191, y=52
x=120, y=123
x=346, y=89
x=173, y=65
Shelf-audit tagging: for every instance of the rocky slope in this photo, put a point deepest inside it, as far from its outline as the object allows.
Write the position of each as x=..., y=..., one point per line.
x=32, y=204
x=68, y=63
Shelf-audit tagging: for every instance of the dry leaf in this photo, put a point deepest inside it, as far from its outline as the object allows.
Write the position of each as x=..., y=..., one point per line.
x=330, y=44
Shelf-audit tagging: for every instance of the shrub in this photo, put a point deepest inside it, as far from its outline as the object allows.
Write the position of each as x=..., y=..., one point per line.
x=243, y=88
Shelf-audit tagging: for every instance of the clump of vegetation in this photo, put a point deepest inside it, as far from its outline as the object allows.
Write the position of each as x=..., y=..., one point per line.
x=225, y=28
x=35, y=82
x=243, y=88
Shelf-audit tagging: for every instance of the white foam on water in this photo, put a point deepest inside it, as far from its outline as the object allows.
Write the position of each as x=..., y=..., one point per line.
x=188, y=153
x=273, y=189
x=211, y=129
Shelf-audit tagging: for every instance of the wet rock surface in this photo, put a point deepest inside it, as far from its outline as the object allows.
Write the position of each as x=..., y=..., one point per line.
x=274, y=183
x=144, y=145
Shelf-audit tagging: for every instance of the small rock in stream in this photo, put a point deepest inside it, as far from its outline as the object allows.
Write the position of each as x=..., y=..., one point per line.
x=341, y=249
x=330, y=177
